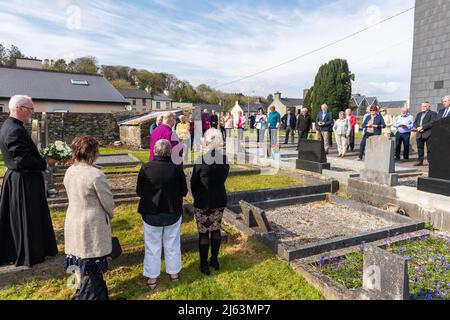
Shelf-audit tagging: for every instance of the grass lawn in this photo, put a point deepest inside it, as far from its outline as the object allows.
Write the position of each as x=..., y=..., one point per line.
x=257, y=181
x=249, y=271
x=2, y=166
x=428, y=268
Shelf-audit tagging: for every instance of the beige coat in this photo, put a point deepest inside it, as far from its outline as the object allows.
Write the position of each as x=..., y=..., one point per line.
x=87, y=229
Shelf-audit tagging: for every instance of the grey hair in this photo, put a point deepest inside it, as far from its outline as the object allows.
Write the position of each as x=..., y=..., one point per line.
x=324, y=105
x=446, y=98
x=19, y=101
x=213, y=140
x=167, y=116
x=163, y=148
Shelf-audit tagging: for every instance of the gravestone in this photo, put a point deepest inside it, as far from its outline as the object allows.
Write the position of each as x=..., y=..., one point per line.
x=385, y=275
x=312, y=156
x=255, y=217
x=380, y=162
x=438, y=180
x=117, y=160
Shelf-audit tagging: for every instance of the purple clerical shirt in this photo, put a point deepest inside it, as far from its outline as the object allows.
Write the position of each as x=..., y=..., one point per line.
x=162, y=132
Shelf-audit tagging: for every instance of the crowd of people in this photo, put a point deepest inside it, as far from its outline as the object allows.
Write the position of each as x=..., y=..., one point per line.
x=26, y=231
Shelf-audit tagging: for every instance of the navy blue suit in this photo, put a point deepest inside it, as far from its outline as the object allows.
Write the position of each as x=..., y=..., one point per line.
x=328, y=120
x=441, y=113
x=379, y=121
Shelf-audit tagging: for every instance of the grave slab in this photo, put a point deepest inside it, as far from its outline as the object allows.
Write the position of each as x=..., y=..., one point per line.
x=255, y=217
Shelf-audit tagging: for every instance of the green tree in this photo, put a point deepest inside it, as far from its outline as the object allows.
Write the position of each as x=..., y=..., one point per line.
x=12, y=54
x=308, y=98
x=121, y=84
x=333, y=86
x=3, y=54
x=84, y=65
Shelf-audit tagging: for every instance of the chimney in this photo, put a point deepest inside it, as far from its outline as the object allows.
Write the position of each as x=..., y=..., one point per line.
x=305, y=93
x=29, y=63
x=277, y=96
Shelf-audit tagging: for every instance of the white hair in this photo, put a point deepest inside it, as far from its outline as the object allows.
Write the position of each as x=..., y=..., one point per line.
x=446, y=98
x=19, y=101
x=213, y=140
x=163, y=148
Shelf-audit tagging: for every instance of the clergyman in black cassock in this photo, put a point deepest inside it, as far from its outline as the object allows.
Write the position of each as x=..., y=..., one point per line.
x=26, y=230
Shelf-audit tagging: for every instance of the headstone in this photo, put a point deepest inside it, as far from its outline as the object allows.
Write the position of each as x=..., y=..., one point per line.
x=117, y=160
x=198, y=129
x=380, y=162
x=385, y=275
x=255, y=217
x=36, y=133
x=438, y=180
x=312, y=156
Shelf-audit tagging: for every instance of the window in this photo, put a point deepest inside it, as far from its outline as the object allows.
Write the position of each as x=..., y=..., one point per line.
x=158, y=105
x=168, y=105
x=134, y=102
x=144, y=109
x=79, y=82
x=439, y=84
x=2, y=107
x=144, y=102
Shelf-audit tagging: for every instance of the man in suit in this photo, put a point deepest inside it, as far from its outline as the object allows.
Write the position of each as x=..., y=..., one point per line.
x=289, y=122
x=423, y=123
x=445, y=112
x=214, y=120
x=324, y=123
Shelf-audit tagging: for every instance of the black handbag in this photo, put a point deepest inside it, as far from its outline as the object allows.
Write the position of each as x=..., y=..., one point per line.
x=116, y=248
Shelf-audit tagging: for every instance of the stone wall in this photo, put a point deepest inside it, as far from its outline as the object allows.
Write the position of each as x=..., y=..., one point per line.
x=102, y=126
x=137, y=136
x=431, y=53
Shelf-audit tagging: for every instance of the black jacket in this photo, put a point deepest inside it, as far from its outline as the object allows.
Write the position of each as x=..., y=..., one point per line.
x=214, y=120
x=292, y=123
x=161, y=186
x=304, y=123
x=427, y=124
x=208, y=183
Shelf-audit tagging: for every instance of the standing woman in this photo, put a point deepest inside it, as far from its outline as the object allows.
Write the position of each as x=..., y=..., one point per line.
x=87, y=230
x=229, y=124
x=239, y=124
x=261, y=125
x=373, y=124
x=161, y=186
x=192, y=130
x=210, y=198
x=389, y=121
x=222, y=125
x=342, y=129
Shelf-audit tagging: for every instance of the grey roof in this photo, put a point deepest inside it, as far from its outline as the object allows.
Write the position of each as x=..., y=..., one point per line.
x=371, y=100
x=291, y=103
x=135, y=94
x=160, y=97
x=254, y=107
x=57, y=86
x=359, y=100
x=393, y=104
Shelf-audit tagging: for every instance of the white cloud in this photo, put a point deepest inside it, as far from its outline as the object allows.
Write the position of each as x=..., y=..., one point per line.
x=226, y=42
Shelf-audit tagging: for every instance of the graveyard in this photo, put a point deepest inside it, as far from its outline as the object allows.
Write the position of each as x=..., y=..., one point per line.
x=305, y=228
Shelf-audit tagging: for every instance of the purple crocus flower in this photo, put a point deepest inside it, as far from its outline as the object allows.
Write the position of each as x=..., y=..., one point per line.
x=322, y=261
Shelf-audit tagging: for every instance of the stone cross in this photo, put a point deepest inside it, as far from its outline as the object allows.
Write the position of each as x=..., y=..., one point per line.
x=385, y=275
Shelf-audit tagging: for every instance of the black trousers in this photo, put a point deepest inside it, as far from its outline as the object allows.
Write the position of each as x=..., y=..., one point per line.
x=362, y=148
x=421, y=148
x=289, y=132
x=302, y=135
x=93, y=288
x=351, y=140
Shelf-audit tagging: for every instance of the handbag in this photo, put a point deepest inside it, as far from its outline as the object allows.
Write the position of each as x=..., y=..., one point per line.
x=116, y=248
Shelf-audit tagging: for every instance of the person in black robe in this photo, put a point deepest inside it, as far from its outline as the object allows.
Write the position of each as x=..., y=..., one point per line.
x=26, y=230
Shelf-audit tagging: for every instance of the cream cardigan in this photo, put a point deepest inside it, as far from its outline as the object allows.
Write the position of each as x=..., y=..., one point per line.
x=87, y=230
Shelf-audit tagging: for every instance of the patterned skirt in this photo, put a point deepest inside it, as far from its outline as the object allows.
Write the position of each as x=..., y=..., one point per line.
x=93, y=266
x=208, y=220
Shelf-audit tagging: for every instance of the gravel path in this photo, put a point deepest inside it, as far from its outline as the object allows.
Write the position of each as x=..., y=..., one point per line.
x=297, y=225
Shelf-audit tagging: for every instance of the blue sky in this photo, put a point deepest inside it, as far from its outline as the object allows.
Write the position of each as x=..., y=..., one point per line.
x=215, y=42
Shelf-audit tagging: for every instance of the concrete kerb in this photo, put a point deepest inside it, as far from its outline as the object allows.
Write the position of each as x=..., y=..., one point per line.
x=330, y=289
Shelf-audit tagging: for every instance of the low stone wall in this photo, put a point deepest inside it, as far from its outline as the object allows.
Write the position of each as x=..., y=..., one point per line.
x=102, y=126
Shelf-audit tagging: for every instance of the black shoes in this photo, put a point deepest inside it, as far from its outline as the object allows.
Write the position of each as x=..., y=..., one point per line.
x=205, y=270
x=215, y=264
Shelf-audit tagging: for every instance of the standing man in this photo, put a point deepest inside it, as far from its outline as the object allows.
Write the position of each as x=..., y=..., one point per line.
x=445, y=112
x=164, y=131
x=404, y=124
x=423, y=124
x=252, y=122
x=26, y=230
x=156, y=124
x=304, y=125
x=324, y=123
x=206, y=121
x=351, y=139
x=274, y=125
x=290, y=123
x=222, y=126
x=214, y=120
